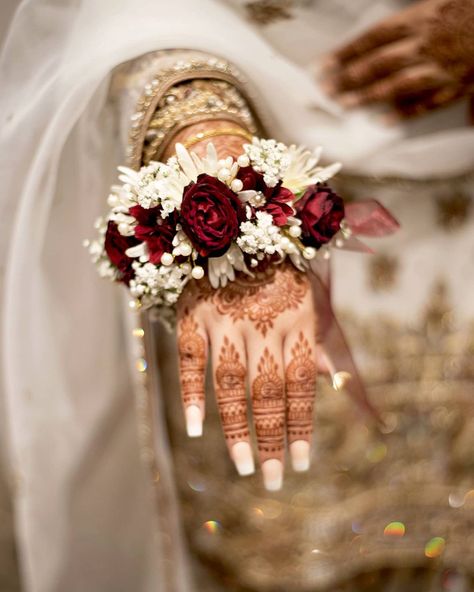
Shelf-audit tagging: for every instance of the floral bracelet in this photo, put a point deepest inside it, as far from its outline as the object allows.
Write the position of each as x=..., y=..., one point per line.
x=190, y=217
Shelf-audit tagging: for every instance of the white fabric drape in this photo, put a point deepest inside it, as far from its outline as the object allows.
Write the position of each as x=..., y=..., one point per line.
x=82, y=503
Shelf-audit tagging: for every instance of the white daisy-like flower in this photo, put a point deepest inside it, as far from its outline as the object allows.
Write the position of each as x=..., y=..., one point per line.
x=303, y=169
x=192, y=165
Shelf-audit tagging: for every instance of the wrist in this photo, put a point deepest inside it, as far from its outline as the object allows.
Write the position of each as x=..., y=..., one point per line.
x=228, y=139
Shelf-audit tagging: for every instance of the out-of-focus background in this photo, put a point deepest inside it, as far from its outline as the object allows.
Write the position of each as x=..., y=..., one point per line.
x=9, y=579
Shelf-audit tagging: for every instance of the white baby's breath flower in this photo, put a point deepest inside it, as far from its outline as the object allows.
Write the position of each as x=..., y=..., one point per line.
x=260, y=236
x=97, y=252
x=158, y=285
x=268, y=157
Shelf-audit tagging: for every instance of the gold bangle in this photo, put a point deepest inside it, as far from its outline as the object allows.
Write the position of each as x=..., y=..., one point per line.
x=213, y=133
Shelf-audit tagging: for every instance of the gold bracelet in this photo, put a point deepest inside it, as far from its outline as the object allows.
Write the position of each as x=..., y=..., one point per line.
x=213, y=133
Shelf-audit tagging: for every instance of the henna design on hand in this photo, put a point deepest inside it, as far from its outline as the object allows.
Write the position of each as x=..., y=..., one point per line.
x=192, y=361
x=230, y=392
x=300, y=390
x=450, y=40
x=260, y=299
x=268, y=400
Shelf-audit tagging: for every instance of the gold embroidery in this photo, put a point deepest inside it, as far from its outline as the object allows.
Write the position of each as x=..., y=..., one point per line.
x=264, y=12
x=324, y=529
x=453, y=210
x=155, y=113
x=194, y=101
x=382, y=272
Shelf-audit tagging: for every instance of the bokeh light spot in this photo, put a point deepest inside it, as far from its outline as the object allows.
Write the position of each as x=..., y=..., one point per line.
x=394, y=529
x=212, y=526
x=435, y=547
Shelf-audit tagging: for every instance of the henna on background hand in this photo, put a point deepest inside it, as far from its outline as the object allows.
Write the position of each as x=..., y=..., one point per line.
x=450, y=39
x=192, y=361
x=260, y=299
x=230, y=392
x=300, y=391
x=268, y=401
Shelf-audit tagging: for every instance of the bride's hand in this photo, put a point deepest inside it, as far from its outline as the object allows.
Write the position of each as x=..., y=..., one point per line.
x=417, y=60
x=259, y=332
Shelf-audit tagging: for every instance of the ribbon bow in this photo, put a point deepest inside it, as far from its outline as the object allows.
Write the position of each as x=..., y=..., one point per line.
x=363, y=218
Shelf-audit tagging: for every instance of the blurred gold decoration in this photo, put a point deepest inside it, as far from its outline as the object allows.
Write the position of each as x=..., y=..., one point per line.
x=382, y=272
x=453, y=210
x=264, y=12
x=340, y=379
x=371, y=500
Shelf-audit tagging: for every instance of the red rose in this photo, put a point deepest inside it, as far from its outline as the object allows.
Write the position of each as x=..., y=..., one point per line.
x=321, y=212
x=276, y=198
x=115, y=246
x=154, y=231
x=210, y=215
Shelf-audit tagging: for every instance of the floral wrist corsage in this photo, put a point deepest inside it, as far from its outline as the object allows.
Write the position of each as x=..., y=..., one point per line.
x=191, y=217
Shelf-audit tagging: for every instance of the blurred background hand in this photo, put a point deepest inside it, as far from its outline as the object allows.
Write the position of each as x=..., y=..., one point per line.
x=415, y=61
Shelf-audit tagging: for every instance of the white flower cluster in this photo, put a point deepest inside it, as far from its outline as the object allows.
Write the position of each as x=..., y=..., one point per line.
x=97, y=252
x=260, y=237
x=162, y=184
x=268, y=157
x=157, y=184
x=158, y=285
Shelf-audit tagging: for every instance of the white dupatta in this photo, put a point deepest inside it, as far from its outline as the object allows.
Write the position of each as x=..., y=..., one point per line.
x=82, y=504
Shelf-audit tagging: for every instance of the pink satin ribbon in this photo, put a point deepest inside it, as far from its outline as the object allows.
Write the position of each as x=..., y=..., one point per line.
x=363, y=218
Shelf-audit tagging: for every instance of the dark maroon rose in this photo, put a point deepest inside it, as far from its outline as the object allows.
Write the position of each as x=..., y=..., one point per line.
x=321, y=212
x=210, y=215
x=154, y=231
x=276, y=198
x=115, y=246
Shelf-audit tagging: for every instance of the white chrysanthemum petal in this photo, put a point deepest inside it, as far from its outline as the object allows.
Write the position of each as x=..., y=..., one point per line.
x=129, y=175
x=303, y=169
x=222, y=269
x=324, y=174
x=186, y=162
x=198, y=163
x=298, y=261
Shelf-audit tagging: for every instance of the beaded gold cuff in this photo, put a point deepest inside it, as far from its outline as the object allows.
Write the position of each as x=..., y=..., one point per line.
x=190, y=102
x=185, y=103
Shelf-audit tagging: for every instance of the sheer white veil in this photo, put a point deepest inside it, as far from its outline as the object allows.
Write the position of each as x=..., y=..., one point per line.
x=67, y=389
